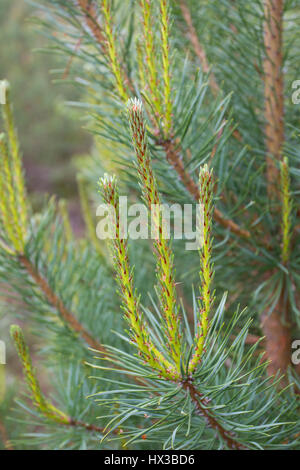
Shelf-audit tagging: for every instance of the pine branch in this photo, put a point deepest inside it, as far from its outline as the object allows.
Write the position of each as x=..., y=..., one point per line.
x=171, y=149
x=206, y=273
x=14, y=213
x=173, y=156
x=106, y=42
x=207, y=388
x=12, y=194
x=57, y=303
x=90, y=14
x=150, y=71
x=111, y=51
x=199, y=402
x=89, y=427
x=13, y=201
x=43, y=405
x=68, y=317
x=130, y=300
x=14, y=148
x=12, y=230
x=125, y=277
x=239, y=407
x=162, y=250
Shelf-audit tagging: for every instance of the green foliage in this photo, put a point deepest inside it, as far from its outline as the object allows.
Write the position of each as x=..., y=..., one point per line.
x=183, y=374
x=228, y=397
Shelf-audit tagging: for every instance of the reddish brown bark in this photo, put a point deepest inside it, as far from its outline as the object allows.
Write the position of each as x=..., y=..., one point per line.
x=273, y=81
x=91, y=20
x=278, y=342
x=276, y=325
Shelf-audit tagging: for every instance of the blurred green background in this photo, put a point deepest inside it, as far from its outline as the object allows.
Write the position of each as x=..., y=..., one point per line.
x=48, y=132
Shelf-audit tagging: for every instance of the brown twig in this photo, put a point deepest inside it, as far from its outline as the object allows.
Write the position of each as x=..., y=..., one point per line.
x=200, y=53
x=90, y=14
x=173, y=157
x=172, y=153
x=89, y=427
x=199, y=50
x=69, y=63
x=200, y=407
x=65, y=314
x=54, y=300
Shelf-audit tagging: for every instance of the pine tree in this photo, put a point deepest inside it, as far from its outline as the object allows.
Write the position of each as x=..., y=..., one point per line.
x=188, y=104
